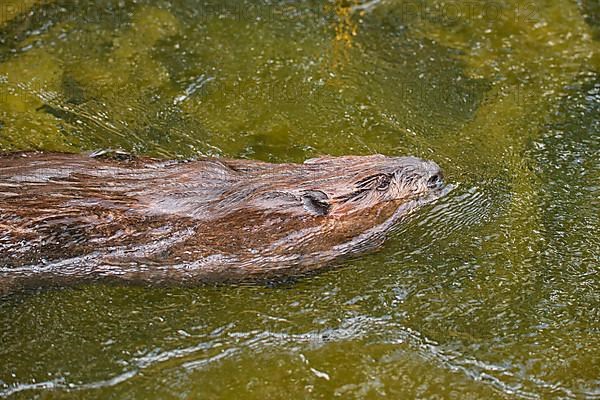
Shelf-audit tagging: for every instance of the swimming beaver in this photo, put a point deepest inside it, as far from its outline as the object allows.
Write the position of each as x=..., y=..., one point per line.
x=67, y=217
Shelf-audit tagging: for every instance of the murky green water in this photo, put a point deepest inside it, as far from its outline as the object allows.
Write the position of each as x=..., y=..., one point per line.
x=493, y=292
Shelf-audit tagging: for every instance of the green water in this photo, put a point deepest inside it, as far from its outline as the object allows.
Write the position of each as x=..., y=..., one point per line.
x=491, y=293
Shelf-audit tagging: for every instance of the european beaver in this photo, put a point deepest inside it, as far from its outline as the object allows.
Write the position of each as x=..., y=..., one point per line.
x=68, y=217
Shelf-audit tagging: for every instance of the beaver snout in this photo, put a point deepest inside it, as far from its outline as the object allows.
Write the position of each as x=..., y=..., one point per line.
x=433, y=175
x=434, y=181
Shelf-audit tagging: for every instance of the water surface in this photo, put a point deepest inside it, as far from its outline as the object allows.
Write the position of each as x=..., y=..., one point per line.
x=492, y=292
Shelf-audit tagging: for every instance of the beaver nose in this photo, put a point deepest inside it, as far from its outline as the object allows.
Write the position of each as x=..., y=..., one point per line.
x=434, y=181
x=434, y=175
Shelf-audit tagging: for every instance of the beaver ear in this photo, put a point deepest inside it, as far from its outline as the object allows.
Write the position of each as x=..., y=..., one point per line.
x=316, y=201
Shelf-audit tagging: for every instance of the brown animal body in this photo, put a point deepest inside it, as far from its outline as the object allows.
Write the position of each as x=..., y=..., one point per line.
x=70, y=218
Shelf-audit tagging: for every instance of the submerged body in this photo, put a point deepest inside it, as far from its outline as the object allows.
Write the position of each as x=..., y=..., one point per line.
x=68, y=218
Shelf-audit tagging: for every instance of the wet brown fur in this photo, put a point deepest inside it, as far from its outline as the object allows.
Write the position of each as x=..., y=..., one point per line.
x=67, y=218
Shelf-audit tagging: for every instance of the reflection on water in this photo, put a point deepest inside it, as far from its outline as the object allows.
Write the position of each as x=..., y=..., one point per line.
x=491, y=292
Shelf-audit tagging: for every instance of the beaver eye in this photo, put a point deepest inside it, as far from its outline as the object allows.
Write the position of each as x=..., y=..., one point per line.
x=383, y=183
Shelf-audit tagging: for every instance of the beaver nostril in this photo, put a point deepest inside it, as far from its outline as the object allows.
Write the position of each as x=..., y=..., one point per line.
x=434, y=181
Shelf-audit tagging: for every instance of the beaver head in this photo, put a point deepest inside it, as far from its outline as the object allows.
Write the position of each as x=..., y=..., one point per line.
x=334, y=187
x=316, y=211
x=353, y=184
